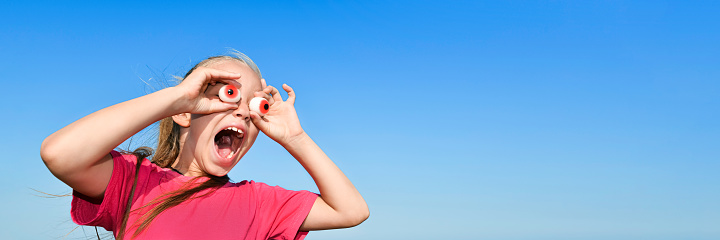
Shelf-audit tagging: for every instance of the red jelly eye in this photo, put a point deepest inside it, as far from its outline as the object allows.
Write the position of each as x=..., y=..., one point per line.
x=259, y=105
x=229, y=93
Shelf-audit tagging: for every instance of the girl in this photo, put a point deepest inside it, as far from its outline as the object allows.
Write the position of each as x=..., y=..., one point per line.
x=185, y=192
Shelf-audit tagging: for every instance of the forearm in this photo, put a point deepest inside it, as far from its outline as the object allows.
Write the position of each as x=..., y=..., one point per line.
x=335, y=188
x=91, y=138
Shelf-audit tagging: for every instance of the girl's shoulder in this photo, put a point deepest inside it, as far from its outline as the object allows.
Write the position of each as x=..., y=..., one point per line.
x=250, y=184
x=251, y=188
x=125, y=167
x=128, y=159
x=263, y=190
x=123, y=156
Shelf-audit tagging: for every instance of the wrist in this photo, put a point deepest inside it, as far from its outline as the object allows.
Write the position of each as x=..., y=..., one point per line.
x=297, y=141
x=179, y=100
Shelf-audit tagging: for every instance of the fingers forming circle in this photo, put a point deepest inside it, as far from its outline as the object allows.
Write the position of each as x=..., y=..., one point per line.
x=275, y=94
x=290, y=92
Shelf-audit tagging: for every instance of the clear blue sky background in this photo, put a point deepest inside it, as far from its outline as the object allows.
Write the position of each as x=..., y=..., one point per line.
x=503, y=120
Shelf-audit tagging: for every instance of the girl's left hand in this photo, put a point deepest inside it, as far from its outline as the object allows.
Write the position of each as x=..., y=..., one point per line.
x=281, y=123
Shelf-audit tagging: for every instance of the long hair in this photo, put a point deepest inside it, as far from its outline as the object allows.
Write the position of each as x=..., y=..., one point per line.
x=167, y=152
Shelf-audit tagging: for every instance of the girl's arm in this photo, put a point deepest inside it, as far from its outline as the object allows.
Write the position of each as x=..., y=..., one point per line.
x=78, y=154
x=340, y=204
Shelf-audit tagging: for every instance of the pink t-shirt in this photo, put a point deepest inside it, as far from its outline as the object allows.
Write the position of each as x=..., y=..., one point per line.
x=244, y=210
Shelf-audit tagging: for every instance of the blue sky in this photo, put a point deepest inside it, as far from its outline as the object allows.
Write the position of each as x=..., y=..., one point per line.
x=494, y=120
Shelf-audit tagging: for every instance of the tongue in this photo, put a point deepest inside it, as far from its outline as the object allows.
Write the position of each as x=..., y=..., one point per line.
x=224, y=145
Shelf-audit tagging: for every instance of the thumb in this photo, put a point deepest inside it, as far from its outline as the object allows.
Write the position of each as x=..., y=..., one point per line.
x=222, y=106
x=258, y=121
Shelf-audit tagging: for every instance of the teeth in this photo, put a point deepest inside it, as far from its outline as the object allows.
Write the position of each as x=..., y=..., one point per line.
x=239, y=132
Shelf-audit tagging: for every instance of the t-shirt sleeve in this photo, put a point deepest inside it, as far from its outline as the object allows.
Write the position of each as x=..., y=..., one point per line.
x=108, y=212
x=282, y=211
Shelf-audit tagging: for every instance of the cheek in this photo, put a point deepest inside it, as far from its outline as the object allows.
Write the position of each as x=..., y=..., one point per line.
x=199, y=129
x=252, y=133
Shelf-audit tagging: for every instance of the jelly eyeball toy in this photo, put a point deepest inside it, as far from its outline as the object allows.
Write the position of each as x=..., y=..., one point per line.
x=229, y=93
x=259, y=105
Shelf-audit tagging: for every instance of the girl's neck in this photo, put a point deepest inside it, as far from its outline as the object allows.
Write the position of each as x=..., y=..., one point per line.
x=186, y=169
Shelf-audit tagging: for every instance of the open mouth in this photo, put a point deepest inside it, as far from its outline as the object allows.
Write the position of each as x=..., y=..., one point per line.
x=228, y=142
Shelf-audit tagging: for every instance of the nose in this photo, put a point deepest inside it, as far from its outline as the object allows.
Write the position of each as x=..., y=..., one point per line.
x=243, y=111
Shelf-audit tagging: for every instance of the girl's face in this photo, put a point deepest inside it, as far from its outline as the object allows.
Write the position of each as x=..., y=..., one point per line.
x=217, y=141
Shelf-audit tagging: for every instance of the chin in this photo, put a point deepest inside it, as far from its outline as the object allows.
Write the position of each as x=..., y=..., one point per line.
x=218, y=171
x=220, y=167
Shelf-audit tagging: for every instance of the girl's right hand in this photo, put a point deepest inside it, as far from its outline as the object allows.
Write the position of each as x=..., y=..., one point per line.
x=193, y=87
x=78, y=155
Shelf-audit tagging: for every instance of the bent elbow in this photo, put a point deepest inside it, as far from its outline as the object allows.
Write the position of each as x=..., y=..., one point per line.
x=362, y=218
x=55, y=159
x=365, y=215
x=47, y=152
x=358, y=217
